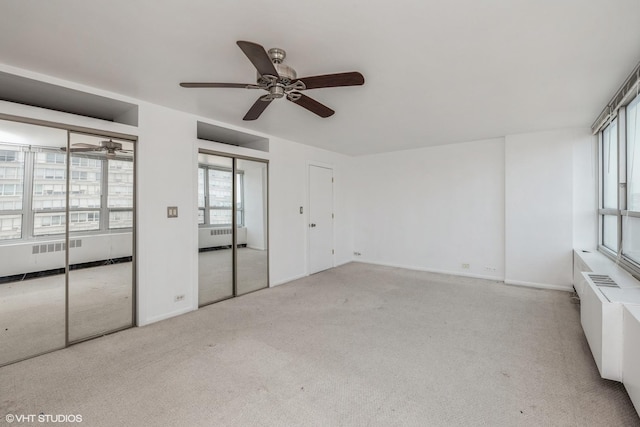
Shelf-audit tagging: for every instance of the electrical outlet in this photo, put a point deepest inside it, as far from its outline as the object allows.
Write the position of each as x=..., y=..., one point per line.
x=490, y=269
x=465, y=266
x=357, y=253
x=178, y=298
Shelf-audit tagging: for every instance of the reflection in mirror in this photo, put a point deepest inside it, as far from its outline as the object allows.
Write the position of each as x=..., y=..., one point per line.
x=215, y=238
x=100, y=235
x=32, y=240
x=251, y=213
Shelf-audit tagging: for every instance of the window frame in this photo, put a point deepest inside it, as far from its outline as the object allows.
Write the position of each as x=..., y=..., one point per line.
x=207, y=208
x=28, y=213
x=22, y=212
x=602, y=210
x=620, y=116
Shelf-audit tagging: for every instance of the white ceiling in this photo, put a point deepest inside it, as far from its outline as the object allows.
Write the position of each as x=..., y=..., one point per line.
x=436, y=72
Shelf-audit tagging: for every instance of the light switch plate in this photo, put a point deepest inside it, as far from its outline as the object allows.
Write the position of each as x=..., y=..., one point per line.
x=172, y=212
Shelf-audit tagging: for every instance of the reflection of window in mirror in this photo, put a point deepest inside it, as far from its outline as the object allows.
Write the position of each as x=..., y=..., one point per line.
x=214, y=196
x=46, y=191
x=46, y=168
x=11, y=191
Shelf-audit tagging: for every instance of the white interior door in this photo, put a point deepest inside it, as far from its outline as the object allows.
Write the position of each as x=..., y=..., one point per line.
x=320, y=218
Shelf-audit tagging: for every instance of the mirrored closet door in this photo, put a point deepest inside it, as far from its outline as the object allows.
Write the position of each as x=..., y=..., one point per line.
x=66, y=238
x=32, y=240
x=101, y=236
x=215, y=237
x=251, y=205
x=232, y=226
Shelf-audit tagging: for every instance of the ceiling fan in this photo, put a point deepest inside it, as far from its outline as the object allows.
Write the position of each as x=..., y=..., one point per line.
x=280, y=81
x=111, y=148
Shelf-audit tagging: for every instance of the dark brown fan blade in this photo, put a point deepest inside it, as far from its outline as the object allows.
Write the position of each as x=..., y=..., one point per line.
x=83, y=145
x=233, y=85
x=313, y=105
x=82, y=150
x=333, y=80
x=256, y=109
x=258, y=57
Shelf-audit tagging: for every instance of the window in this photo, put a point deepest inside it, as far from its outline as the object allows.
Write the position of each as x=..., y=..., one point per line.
x=33, y=192
x=84, y=221
x=10, y=227
x=201, y=194
x=120, y=193
x=620, y=186
x=11, y=192
x=120, y=219
x=631, y=217
x=215, y=196
x=633, y=156
x=9, y=155
x=49, y=193
x=609, y=168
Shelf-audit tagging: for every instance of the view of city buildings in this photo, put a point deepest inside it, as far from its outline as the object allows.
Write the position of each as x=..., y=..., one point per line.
x=215, y=196
x=33, y=192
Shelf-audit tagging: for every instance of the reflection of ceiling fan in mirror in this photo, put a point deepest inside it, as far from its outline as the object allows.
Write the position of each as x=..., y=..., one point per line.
x=110, y=147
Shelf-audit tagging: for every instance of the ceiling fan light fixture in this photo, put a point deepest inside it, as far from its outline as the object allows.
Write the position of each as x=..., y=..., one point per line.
x=276, y=91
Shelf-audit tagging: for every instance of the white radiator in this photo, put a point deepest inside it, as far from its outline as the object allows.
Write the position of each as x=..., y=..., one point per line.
x=631, y=356
x=601, y=315
x=211, y=237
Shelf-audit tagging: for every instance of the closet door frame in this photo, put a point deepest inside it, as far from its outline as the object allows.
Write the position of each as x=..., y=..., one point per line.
x=69, y=129
x=134, y=287
x=234, y=215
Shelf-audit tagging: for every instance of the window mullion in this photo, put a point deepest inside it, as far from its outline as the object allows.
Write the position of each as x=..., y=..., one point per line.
x=622, y=174
x=27, y=200
x=104, y=194
x=207, y=201
x=622, y=159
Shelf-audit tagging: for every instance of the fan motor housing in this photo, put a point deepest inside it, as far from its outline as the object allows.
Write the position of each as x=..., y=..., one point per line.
x=286, y=74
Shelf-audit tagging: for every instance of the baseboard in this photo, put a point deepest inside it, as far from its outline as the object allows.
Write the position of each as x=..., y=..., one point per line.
x=568, y=288
x=432, y=270
x=290, y=279
x=166, y=316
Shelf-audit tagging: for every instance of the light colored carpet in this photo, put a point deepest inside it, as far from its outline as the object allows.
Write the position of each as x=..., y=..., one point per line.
x=215, y=273
x=357, y=345
x=32, y=312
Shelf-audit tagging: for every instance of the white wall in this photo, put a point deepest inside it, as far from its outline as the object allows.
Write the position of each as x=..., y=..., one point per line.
x=288, y=191
x=585, y=184
x=433, y=209
x=167, y=248
x=512, y=208
x=254, y=205
x=540, y=195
